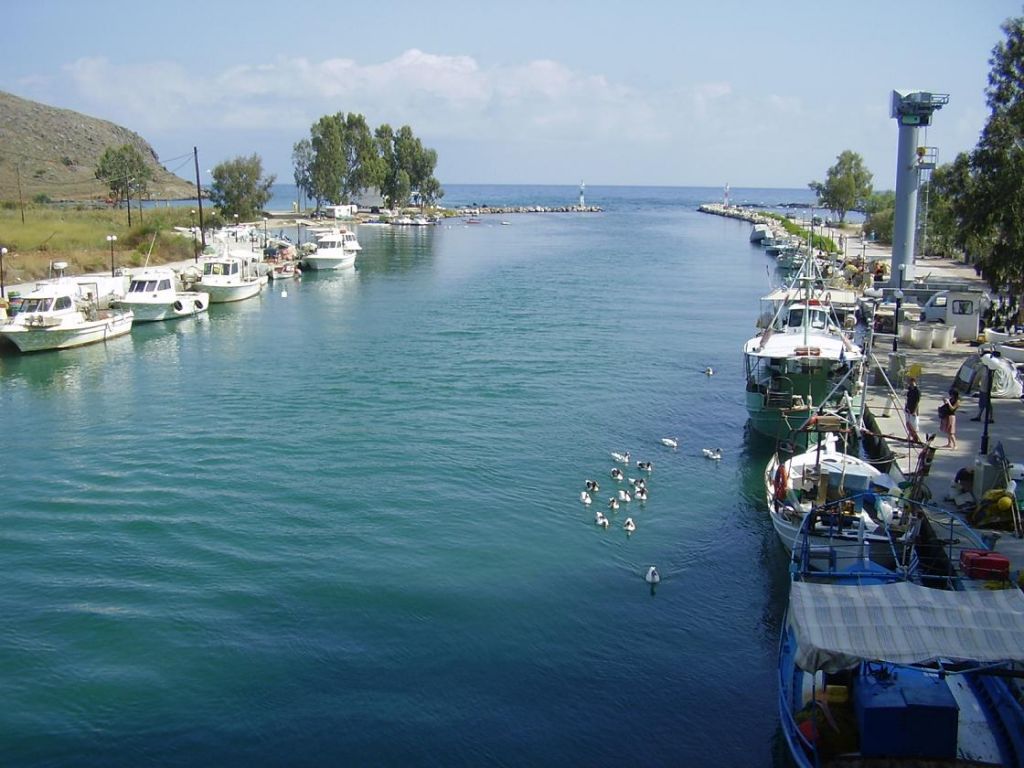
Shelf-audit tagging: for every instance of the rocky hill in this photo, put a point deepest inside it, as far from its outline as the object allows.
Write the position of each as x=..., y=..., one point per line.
x=56, y=151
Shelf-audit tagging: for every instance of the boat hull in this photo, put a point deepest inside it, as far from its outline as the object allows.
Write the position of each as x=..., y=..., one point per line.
x=185, y=304
x=326, y=263
x=222, y=294
x=28, y=339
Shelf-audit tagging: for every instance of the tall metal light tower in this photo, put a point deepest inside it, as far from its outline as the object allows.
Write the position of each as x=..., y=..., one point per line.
x=913, y=109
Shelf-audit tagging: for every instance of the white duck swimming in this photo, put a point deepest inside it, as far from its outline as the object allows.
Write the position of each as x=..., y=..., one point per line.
x=585, y=498
x=617, y=474
x=645, y=466
x=592, y=486
x=671, y=442
x=613, y=503
x=640, y=494
x=629, y=525
x=638, y=482
x=652, y=576
x=709, y=371
x=713, y=453
x=622, y=458
x=625, y=497
x=601, y=520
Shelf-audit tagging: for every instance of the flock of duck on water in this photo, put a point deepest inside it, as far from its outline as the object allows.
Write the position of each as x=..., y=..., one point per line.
x=636, y=489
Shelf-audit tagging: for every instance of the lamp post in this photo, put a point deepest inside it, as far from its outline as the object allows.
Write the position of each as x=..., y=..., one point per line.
x=236, y=227
x=111, y=239
x=3, y=252
x=899, y=301
x=264, y=232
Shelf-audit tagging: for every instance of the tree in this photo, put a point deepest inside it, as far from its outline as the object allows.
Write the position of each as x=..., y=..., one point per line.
x=302, y=161
x=342, y=158
x=992, y=213
x=946, y=193
x=239, y=186
x=329, y=166
x=847, y=185
x=879, y=212
x=124, y=171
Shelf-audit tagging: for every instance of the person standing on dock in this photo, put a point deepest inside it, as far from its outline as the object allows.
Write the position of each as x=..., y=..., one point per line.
x=947, y=417
x=913, y=401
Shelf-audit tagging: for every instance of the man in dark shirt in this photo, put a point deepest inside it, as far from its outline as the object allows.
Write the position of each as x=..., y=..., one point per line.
x=913, y=400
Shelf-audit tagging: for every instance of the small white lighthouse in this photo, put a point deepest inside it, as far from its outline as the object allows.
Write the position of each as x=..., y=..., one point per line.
x=725, y=200
x=582, y=204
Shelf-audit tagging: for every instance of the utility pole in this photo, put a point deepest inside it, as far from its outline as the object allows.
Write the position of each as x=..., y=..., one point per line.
x=199, y=197
x=127, y=194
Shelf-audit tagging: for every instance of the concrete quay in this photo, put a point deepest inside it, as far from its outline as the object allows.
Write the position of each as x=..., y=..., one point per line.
x=938, y=370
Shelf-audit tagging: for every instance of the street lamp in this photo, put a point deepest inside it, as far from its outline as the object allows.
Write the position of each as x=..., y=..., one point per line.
x=264, y=231
x=236, y=227
x=3, y=252
x=111, y=239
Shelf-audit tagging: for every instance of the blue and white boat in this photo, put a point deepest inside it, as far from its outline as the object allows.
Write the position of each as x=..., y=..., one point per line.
x=878, y=669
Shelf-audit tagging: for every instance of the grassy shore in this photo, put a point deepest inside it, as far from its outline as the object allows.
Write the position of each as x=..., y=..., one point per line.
x=79, y=237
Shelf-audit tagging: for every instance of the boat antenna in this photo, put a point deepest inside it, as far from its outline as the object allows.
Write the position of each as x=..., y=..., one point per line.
x=150, y=252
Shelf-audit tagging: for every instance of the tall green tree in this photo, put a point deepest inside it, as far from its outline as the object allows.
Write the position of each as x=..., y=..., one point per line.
x=365, y=169
x=302, y=162
x=327, y=172
x=124, y=171
x=239, y=187
x=847, y=185
x=993, y=213
x=946, y=193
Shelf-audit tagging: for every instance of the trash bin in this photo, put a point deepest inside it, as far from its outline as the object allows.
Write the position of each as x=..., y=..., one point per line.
x=921, y=336
x=942, y=336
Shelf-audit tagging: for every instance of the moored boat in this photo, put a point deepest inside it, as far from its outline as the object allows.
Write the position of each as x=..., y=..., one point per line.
x=334, y=249
x=228, y=276
x=155, y=293
x=860, y=501
x=877, y=667
x=802, y=361
x=58, y=315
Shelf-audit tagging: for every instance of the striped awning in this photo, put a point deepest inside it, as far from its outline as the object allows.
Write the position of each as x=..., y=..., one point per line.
x=836, y=626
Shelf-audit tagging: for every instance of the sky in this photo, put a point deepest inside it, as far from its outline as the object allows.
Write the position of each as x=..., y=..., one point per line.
x=674, y=93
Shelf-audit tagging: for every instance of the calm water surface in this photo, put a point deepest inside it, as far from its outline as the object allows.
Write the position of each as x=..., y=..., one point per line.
x=344, y=527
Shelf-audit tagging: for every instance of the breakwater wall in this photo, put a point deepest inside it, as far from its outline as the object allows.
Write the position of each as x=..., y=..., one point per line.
x=502, y=209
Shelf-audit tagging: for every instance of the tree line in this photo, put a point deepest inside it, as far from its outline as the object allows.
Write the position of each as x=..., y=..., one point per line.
x=340, y=160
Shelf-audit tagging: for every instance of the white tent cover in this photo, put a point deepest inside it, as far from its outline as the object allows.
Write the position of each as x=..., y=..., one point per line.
x=837, y=626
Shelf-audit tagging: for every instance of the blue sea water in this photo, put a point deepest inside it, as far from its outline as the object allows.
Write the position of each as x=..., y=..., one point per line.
x=343, y=526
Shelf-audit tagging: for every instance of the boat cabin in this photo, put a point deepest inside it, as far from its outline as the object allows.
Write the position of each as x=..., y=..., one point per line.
x=149, y=285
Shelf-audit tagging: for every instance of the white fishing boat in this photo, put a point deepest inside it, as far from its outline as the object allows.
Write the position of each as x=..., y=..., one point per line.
x=284, y=270
x=60, y=315
x=230, y=276
x=861, y=500
x=803, y=360
x=760, y=232
x=156, y=293
x=334, y=249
